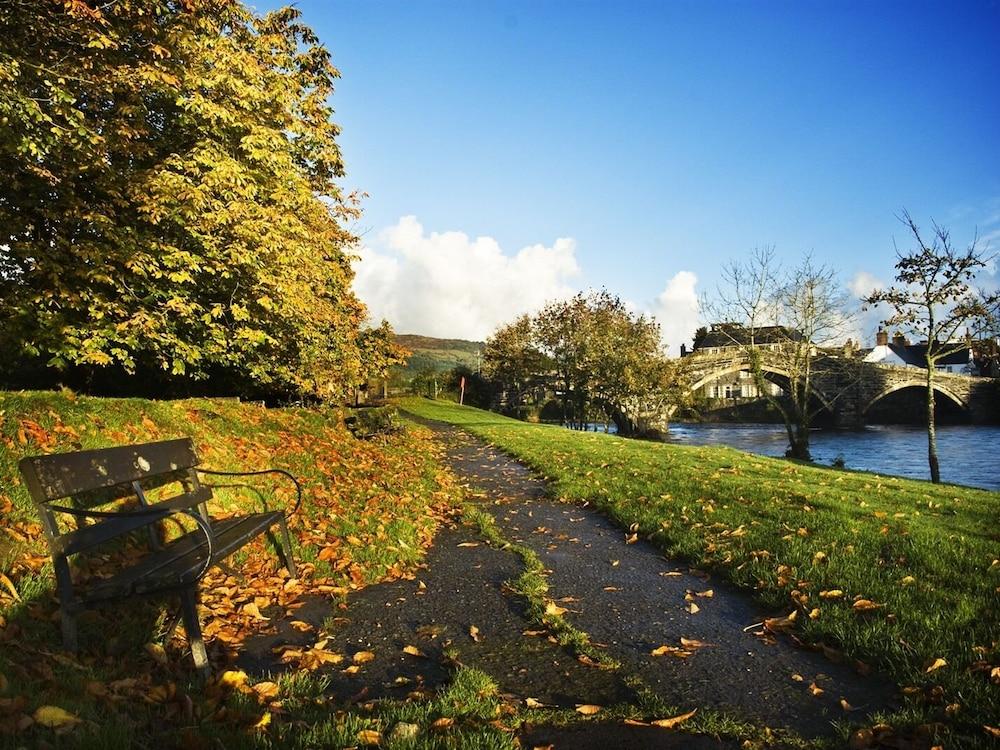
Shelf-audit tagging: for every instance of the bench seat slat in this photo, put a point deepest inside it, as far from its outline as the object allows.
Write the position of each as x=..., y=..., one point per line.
x=182, y=558
x=106, y=529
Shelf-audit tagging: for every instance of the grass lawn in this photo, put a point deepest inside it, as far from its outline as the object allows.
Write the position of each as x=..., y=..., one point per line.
x=896, y=573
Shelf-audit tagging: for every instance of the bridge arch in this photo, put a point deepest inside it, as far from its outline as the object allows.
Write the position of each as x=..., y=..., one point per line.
x=772, y=369
x=914, y=383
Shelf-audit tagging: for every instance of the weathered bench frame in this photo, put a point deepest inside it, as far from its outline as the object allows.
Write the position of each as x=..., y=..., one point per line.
x=94, y=477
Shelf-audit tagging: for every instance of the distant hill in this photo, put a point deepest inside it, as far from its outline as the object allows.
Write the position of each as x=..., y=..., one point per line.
x=439, y=355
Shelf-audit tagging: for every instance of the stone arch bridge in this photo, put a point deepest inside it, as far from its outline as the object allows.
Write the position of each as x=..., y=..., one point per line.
x=848, y=388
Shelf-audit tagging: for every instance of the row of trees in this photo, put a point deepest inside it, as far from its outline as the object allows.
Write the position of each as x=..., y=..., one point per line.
x=590, y=352
x=170, y=203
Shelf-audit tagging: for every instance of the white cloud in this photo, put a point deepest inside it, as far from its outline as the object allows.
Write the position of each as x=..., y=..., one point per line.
x=676, y=309
x=453, y=286
x=867, y=321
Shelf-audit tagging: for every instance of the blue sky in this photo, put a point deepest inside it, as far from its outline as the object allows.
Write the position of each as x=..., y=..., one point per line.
x=659, y=138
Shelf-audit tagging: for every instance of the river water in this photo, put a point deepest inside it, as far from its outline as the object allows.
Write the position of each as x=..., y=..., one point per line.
x=969, y=455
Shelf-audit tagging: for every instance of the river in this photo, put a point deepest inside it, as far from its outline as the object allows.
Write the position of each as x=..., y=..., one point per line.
x=970, y=455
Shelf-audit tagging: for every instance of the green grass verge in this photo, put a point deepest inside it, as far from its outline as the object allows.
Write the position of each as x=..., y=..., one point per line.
x=927, y=555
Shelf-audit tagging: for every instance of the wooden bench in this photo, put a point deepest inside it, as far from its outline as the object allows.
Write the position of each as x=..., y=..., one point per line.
x=69, y=486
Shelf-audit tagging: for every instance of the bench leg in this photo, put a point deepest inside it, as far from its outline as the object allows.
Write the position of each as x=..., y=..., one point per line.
x=64, y=586
x=283, y=547
x=189, y=613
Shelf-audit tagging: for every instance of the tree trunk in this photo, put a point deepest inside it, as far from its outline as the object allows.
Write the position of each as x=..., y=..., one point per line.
x=932, y=455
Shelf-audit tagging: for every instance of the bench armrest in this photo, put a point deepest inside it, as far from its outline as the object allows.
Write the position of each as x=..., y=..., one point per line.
x=154, y=514
x=282, y=472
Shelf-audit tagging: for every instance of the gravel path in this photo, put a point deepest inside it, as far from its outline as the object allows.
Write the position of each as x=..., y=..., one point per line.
x=626, y=596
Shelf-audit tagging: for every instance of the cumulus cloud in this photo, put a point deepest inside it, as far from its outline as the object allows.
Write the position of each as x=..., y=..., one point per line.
x=865, y=322
x=676, y=309
x=450, y=285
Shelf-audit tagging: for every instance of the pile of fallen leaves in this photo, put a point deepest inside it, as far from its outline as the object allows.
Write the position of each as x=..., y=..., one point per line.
x=370, y=509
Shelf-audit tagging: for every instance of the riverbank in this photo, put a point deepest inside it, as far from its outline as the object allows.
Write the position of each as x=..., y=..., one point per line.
x=878, y=571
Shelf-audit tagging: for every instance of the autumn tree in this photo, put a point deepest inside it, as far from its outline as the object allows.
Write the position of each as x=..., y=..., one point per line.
x=783, y=317
x=593, y=352
x=171, y=200
x=512, y=360
x=935, y=300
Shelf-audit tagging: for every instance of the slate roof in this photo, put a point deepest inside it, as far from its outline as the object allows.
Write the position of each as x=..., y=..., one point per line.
x=916, y=354
x=731, y=334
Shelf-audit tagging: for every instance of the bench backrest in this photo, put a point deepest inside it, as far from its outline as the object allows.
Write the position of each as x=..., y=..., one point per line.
x=97, y=477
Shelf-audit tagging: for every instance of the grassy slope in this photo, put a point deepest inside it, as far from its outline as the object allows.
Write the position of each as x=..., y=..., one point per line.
x=370, y=509
x=438, y=355
x=928, y=555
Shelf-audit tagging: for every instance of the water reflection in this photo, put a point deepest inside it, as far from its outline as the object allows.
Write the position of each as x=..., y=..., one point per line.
x=969, y=454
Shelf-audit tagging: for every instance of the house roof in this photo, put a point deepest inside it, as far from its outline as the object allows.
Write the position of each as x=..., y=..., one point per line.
x=733, y=334
x=919, y=353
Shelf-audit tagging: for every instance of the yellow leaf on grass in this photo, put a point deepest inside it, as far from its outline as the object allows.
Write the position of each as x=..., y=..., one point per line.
x=994, y=731
x=587, y=709
x=413, y=651
x=831, y=594
x=534, y=703
x=673, y=721
x=264, y=721
x=936, y=664
x=865, y=605
x=369, y=737
x=233, y=678
x=54, y=717
x=815, y=689
x=266, y=690
x=363, y=657
x=443, y=723
x=554, y=609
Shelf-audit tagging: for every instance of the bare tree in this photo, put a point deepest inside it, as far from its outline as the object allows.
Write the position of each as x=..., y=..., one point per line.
x=779, y=321
x=935, y=300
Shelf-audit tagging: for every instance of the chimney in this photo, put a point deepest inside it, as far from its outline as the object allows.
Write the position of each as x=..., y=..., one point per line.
x=882, y=338
x=898, y=339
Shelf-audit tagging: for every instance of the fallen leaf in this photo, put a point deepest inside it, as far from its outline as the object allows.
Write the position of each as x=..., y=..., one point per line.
x=533, y=703
x=264, y=721
x=363, y=657
x=992, y=730
x=413, y=651
x=936, y=664
x=254, y=611
x=693, y=608
x=798, y=678
x=847, y=707
x=474, y=633
x=674, y=721
x=831, y=594
x=369, y=737
x=266, y=690
x=551, y=608
x=692, y=643
x=865, y=605
x=158, y=653
x=54, y=717
x=815, y=689
x=443, y=723
x=861, y=739
x=233, y=679
x=469, y=544
x=587, y=709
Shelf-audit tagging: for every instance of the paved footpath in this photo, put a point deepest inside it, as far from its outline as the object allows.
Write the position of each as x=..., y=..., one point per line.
x=627, y=597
